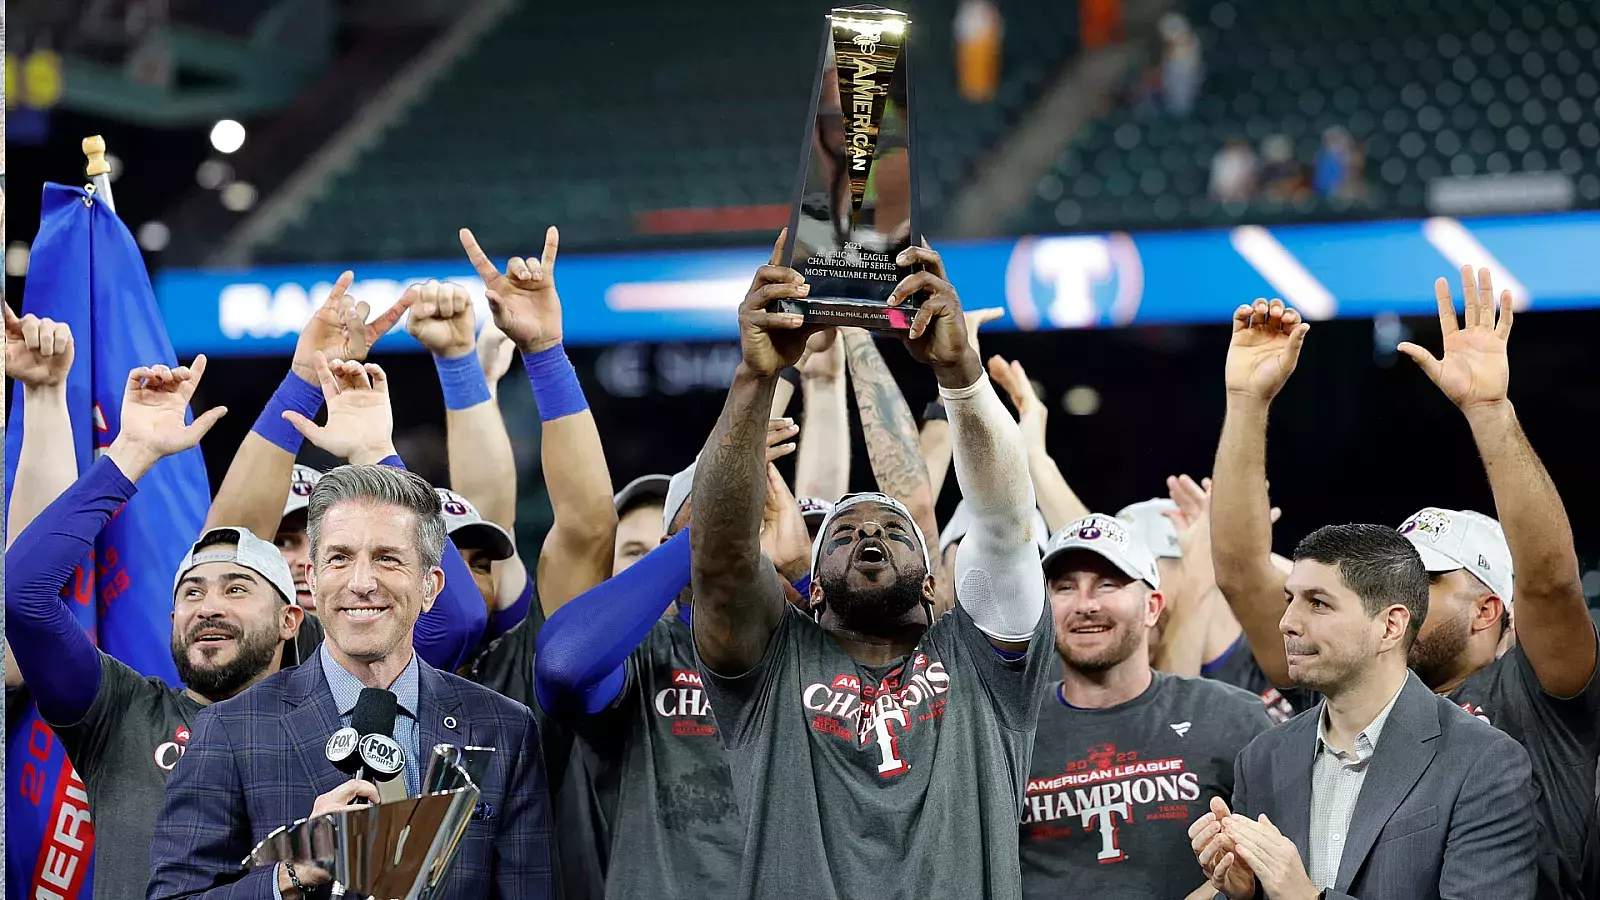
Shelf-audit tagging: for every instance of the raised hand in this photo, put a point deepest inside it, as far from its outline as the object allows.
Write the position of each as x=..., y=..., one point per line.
x=770, y=341
x=153, y=405
x=39, y=351
x=523, y=298
x=977, y=318
x=784, y=538
x=824, y=357
x=1032, y=416
x=1475, y=370
x=339, y=329
x=441, y=318
x=494, y=353
x=1265, y=348
x=938, y=334
x=780, y=438
x=360, y=424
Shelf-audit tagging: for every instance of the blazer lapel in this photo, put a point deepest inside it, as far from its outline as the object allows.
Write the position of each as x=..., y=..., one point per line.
x=311, y=719
x=1404, y=752
x=440, y=718
x=1292, y=784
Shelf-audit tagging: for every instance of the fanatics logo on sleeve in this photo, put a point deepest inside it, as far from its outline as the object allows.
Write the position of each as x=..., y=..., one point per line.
x=1182, y=728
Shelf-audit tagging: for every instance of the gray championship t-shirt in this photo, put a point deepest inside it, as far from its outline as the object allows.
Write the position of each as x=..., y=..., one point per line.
x=895, y=781
x=1562, y=738
x=663, y=778
x=1237, y=666
x=1112, y=792
x=124, y=750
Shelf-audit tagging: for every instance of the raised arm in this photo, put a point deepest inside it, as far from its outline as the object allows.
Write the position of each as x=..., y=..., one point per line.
x=1183, y=642
x=890, y=430
x=257, y=481
x=933, y=441
x=482, y=467
x=1057, y=500
x=738, y=596
x=360, y=430
x=577, y=552
x=998, y=578
x=39, y=355
x=58, y=660
x=822, y=467
x=1553, y=624
x=1261, y=356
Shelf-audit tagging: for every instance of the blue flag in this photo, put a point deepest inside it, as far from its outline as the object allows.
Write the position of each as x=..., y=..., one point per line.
x=86, y=270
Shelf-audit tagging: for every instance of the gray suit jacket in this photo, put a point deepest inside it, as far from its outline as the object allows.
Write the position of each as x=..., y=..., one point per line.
x=1445, y=812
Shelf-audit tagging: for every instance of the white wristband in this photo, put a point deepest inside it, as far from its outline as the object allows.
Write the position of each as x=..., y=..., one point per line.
x=970, y=390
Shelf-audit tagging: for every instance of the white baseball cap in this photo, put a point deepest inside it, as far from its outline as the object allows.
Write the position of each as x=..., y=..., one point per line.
x=678, y=488
x=814, y=509
x=961, y=522
x=849, y=500
x=252, y=553
x=1155, y=529
x=1111, y=539
x=300, y=484
x=1451, y=539
x=461, y=520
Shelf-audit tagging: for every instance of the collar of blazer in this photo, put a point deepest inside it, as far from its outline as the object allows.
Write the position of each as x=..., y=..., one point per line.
x=1405, y=750
x=312, y=716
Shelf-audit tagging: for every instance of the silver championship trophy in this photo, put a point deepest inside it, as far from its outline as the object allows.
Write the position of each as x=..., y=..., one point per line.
x=396, y=850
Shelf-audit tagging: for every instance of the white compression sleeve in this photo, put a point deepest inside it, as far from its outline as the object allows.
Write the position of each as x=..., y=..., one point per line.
x=999, y=581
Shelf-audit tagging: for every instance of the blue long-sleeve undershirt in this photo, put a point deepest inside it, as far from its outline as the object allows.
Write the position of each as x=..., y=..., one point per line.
x=59, y=663
x=580, y=667
x=447, y=635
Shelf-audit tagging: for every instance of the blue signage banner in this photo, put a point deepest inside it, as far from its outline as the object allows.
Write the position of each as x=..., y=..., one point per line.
x=1043, y=281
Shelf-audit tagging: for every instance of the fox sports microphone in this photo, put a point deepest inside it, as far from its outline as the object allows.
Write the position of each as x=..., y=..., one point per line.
x=380, y=758
x=341, y=750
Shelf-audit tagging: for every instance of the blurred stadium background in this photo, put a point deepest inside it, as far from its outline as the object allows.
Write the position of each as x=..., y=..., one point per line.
x=1118, y=173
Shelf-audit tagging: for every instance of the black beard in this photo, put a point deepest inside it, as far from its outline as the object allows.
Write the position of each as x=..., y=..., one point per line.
x=256, y=652
x=1435, y=659
x=874, y=611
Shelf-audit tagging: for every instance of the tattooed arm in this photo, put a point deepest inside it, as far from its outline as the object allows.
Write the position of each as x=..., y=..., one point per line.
x=891, y=432
x=738, y=596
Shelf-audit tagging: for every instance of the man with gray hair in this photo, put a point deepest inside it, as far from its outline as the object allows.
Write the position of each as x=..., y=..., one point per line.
x=377, y=537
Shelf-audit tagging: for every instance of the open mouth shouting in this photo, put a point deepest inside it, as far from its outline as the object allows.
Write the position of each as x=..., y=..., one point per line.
x=872, y=553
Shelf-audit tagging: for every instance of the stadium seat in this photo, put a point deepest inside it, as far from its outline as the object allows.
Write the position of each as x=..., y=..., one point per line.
x=1429, y=88
x=523, y=131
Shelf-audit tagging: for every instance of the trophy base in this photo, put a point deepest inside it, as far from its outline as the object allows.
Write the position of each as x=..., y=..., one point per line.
x=853, y=313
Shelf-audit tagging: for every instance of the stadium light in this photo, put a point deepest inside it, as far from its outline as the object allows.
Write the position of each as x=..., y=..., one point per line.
x=227, y=136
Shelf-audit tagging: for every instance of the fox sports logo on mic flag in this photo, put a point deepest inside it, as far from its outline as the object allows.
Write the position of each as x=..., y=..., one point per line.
x=382, y=754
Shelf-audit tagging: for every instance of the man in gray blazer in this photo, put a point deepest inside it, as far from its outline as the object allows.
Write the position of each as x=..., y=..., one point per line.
x=1384, y=791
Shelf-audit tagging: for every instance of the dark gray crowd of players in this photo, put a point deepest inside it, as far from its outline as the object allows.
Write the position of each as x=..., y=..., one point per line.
x=746, y=688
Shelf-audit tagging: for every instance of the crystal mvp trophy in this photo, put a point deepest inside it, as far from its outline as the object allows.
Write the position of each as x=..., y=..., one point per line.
x=855, y=206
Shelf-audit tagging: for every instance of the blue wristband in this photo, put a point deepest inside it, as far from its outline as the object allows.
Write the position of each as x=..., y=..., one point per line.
x=803, y=585
x=293, y=393
x=462, y=380
x=555, y=383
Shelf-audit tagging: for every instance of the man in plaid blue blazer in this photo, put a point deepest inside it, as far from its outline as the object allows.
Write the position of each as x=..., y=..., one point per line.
x=257, y=761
